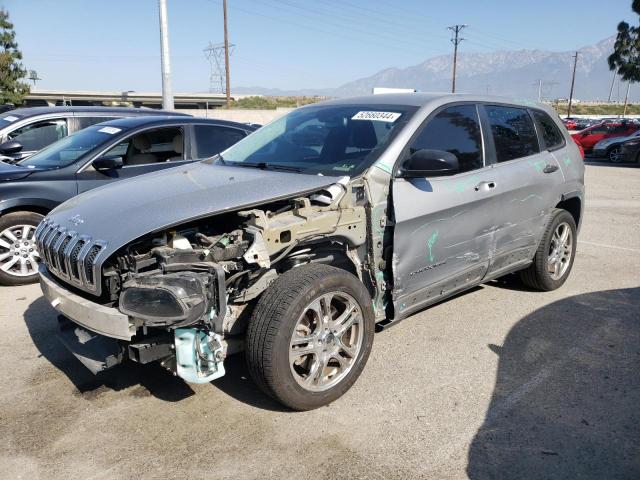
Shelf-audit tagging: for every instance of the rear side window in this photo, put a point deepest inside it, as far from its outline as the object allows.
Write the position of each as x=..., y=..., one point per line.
x=211, y=139
x=84, y=122
x=548, y=129
x=513, y=132
x=455, y=130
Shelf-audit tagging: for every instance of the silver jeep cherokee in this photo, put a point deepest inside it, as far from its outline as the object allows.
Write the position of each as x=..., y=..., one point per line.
x=298, y=241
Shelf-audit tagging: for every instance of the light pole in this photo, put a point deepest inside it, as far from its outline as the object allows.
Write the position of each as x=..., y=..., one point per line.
x=167, y=95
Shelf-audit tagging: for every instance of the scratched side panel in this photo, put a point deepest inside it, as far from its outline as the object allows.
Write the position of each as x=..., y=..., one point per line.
x=442, y=233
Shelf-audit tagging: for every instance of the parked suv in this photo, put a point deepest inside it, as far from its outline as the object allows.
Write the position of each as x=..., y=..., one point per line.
x=93, y=157
x=295, y=242
x=24, y=131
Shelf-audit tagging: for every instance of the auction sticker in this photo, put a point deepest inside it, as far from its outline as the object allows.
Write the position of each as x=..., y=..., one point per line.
x=10, y=118
x=377, y=116
x=109, y=130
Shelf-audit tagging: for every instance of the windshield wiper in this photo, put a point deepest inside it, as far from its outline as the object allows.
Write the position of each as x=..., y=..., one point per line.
x=266, y=166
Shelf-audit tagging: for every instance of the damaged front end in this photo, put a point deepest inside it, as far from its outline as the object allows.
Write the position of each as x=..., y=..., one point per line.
x=187, y=291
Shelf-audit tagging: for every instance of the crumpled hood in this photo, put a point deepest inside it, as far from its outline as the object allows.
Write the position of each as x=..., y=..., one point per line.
x=125, y=210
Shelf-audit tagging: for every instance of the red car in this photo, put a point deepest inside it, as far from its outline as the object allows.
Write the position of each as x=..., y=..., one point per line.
x=588, y=137
x=570, y=123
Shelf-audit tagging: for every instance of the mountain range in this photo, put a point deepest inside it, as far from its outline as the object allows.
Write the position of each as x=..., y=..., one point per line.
x=510, y=72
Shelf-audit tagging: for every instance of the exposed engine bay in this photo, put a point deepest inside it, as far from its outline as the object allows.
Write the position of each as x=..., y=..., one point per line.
x=189, y=289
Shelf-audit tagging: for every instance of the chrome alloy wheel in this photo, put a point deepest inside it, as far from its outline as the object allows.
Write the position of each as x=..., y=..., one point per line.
x=18, y=252
x=326, y=341
x=560, y=251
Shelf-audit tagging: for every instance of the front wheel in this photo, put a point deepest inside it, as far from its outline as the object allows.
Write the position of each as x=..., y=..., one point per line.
x=554, y=258
x=310, y=336
x=18, y=253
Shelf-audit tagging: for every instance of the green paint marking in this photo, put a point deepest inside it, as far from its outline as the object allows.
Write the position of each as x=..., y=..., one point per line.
x=430, y=243
x=384, y=167
x=538, y=165
x=567, y=161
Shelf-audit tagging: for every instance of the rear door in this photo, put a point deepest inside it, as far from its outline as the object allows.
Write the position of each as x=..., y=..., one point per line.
x=443, y=225
x=530, y=181
x=142, y=152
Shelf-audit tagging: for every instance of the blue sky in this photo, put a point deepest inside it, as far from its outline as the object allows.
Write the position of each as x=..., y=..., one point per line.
x=114, y=44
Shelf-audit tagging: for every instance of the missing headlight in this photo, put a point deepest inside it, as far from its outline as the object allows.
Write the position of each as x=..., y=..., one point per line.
x=174, y=299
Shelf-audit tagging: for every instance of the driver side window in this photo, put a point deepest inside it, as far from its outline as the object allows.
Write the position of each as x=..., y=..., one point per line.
x=455, y=130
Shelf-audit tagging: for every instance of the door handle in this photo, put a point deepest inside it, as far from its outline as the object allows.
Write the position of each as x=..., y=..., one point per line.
x=487, y=185
x=549, y=168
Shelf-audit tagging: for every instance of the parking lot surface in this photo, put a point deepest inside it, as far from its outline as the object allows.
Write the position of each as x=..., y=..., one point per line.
x=500, y=382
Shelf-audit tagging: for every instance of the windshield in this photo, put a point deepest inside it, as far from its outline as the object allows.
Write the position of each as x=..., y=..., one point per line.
x=328, y=140
x=66, y=151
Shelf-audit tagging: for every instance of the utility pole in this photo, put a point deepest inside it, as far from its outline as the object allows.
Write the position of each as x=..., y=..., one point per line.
x=456, y=29
x=226, y=54
x=626, y=98
x=573, y=81
x=167, y=95
x=613, y=80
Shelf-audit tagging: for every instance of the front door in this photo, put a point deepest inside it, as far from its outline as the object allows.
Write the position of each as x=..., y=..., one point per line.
x=443, y=225
x=142, y=152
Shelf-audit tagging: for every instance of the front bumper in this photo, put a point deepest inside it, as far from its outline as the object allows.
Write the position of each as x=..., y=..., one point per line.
x=90, y=315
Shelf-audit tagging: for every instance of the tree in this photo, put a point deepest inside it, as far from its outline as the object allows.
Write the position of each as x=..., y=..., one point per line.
x=625, y=58
x=12, y=89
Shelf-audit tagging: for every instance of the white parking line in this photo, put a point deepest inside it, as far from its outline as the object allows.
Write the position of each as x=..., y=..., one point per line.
x=610, y=246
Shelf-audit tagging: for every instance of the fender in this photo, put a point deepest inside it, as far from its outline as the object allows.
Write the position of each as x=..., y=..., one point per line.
x=12, y=203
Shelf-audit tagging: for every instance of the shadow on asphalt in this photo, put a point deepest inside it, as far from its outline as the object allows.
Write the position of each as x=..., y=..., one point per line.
x=41, y=321
x=566, y=403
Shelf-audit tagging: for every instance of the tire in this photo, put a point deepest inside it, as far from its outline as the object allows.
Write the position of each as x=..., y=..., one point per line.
x=538, y=275
x=13, y=249
x=614, y=154
x=285, y=314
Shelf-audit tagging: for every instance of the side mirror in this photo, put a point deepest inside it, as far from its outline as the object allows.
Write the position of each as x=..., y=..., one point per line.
x=429, y=163
x=10, y=147
x=110, y=162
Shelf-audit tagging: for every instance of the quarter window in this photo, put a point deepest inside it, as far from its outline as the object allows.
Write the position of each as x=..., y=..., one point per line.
x=513, y=132
x=549, y=130
x=38, y=135
x=211, y=140
x=455, y=130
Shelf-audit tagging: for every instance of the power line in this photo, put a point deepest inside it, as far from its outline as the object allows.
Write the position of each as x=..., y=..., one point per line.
x=456, y=29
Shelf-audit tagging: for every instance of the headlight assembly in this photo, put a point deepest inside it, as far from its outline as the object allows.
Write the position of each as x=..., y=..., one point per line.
x=174, y=299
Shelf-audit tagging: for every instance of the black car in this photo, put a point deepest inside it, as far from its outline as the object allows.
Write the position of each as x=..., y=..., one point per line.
x=95, y=156
x=630, y=150
x=24, y=131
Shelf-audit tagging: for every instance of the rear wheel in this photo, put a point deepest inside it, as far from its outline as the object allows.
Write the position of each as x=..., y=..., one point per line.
x=18, y=253
x=310, y=336
x=615, y=154
x=554, y=258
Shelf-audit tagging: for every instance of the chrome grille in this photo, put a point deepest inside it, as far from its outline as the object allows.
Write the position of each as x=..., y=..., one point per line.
x=69, y=255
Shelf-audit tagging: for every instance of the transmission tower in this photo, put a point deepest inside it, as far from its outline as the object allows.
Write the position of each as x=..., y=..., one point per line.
x=214, y=53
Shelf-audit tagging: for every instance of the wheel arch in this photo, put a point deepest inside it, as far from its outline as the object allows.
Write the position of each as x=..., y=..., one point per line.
x=35, y=205
x=573, y=205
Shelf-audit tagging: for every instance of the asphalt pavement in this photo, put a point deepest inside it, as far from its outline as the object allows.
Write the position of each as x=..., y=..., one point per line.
x=500, y=382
